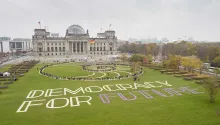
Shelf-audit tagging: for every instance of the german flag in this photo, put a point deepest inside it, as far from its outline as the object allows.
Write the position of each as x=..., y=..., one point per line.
x=92, y=41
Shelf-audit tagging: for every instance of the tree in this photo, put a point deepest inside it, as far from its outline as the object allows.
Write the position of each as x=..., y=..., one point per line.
x=216, y=62
x=217, y=71
x=145, y=61
x=212, y=86
x=191, y=62
x=134, y=67
x=123, y=57
x=206, y=59
x=137, y=58
x=191, y=49
x=173, y=61
x=149, y=58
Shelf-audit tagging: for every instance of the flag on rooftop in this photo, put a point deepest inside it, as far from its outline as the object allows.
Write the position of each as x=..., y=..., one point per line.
x=92, y=41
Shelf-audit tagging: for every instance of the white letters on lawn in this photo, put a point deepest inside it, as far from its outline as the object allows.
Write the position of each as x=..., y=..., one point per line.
x=33, y=94
x=29, y=104
x=76, y=101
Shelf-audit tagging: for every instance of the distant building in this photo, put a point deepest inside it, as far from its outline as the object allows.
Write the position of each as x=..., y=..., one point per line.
x=20, y=44
x=4, y=46
x=76, y=41
x=4, y=38
x=17, y=44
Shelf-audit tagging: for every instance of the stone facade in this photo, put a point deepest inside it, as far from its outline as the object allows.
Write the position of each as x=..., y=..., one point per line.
x=20, y=44
x=76, y=42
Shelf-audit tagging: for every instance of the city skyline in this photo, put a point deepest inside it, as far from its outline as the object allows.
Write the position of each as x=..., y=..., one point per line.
x=137, y=19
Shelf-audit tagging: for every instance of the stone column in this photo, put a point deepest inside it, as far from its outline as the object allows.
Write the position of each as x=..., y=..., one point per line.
x=76, y=47
x=82, y=47
x=85, y=48
x=79, y=47
x=71, y=47
x=88, y=47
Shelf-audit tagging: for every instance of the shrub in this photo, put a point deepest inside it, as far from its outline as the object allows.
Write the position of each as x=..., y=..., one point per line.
x=188, y=78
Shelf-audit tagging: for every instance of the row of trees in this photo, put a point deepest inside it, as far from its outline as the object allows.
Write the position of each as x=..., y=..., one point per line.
x=207, y=52
x=151, y=48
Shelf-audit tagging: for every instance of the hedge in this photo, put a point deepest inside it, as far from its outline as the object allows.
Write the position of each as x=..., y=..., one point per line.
x=178, y=75
x=169, y=73
x=199, y=77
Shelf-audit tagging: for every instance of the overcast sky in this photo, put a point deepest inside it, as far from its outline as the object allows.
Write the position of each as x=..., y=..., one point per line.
x=172, y=19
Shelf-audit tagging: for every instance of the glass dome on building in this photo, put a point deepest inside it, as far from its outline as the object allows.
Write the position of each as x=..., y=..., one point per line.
x=75, y=29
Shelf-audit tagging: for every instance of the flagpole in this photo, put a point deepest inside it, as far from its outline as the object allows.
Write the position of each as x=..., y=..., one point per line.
x=110, y=26
x=39, y=24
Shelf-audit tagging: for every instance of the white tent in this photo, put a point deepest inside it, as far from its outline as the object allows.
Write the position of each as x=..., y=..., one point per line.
x=6, y=74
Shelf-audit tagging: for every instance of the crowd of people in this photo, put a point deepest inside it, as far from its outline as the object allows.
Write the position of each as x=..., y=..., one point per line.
x=102, y=68
x=84, y=67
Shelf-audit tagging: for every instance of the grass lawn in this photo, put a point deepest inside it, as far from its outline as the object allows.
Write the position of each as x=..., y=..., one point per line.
x=145, y=109
x=5, y=68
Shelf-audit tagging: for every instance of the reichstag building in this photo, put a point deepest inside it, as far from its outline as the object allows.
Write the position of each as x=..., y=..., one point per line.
x=75, y=42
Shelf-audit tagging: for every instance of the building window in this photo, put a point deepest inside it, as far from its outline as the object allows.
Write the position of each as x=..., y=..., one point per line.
x=40, y=49
x=60, y=49
x=101, y=53
x=60, y=53
x=56, y=49
x=51, y=43
x=55, y=43
x=90, y=48
x=48, y=44
x=51, y=49
x=63, y=48
x=48, y=49
x=90, y=53
x=111, y=53
x=93, y=48
x=39, y=44
x=56, y=53
x=40, y=54
x=100, y=48
x=63, y=53
x=104, y=43
x=110, y=48
x=97, y=48
x=52, y=54
x=104, y=48
x=48, y=54
x=59, y=43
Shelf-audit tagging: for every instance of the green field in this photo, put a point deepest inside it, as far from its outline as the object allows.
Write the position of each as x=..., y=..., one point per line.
x=148, y=108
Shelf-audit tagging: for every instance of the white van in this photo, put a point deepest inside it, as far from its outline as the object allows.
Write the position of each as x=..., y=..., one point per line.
x=212, y=69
